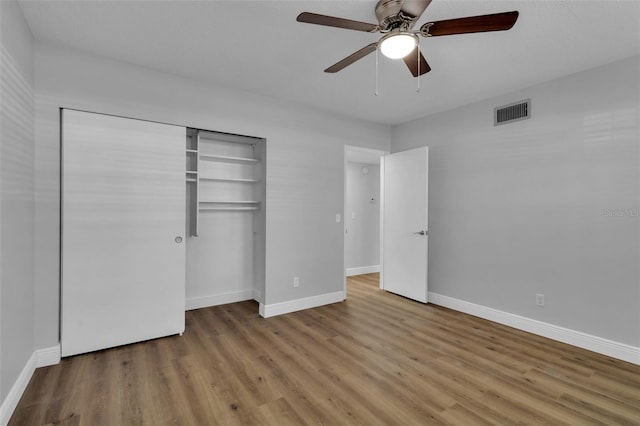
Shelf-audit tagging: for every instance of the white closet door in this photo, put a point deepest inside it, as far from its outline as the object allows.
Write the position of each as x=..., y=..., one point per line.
x=123, y=225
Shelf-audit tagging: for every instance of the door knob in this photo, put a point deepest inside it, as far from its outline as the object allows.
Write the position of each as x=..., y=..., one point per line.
x=421, y=233
x=178, y=239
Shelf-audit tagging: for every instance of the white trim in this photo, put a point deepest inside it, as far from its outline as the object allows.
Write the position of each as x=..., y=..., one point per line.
x=375, y=154
x=363, y=270
x=597, y=344
x=48, y=356
x=39, y=358
x=382, y=201
x=15, y=393
x=274, y=309
x=219, y=299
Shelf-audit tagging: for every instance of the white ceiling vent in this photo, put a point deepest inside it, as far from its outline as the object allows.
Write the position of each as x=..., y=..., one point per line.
x=513, y=112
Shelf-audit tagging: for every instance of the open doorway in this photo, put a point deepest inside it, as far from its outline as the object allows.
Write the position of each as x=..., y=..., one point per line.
x=362, y=211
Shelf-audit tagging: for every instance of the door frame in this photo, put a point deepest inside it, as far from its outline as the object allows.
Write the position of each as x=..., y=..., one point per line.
x=351, y=153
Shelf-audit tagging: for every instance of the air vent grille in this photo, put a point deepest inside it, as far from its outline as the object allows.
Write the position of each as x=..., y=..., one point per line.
x=513, y=112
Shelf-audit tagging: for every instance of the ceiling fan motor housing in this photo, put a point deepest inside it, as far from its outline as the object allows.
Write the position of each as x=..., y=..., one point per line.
x=390, y=16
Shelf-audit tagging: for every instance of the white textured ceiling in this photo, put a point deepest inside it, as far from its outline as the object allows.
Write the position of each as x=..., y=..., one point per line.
x=258, y=46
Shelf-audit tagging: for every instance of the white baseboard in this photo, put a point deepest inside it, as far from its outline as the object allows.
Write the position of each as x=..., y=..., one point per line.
x=15, y=393
x=48, y=356
x=363, y=270
x=274, y=309
x=576, y=338
x=219, y=299
x=40, y=358
x=257, y=295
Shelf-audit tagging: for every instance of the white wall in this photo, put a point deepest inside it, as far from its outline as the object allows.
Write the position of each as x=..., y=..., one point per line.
x=305, y=151
x=547, y=205
x=362, y=238
x=17, y=197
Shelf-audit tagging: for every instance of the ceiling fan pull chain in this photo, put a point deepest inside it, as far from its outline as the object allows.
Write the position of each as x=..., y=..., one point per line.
x=418, y=59
x=376, y=91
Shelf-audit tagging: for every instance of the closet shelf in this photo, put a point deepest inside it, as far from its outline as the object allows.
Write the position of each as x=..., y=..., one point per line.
x=238, y=180
x=192, y=176
x=233, y=175
x=226, y=158
x=236, y=205
x=228, y=209
x=231, y=202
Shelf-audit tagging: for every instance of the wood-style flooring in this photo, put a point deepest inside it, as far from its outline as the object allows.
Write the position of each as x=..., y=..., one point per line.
x=376, y=359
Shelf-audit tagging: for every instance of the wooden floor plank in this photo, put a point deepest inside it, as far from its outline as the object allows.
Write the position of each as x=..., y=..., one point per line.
x=375, y=359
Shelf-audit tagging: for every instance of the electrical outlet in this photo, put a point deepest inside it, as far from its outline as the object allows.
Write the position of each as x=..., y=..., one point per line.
x=539, y=299
x=296, y=281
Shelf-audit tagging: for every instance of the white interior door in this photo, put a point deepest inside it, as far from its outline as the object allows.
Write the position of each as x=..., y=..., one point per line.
x=123, y=225
x=405, y=223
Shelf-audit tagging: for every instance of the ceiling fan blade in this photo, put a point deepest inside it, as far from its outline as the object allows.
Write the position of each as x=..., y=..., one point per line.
x=472, y=24
x=352, y=58
x=416, y=63
x=414, y=8
x=331, y=21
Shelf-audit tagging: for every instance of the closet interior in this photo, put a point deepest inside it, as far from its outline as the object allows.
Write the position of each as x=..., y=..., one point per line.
x=225, y=178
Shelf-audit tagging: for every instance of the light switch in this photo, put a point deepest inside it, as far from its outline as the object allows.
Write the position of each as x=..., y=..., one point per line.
x=337, y=217
x=353, y=215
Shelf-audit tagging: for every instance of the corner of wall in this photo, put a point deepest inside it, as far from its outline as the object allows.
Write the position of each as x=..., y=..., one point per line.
x=282, y=308
x=10, y=403
x=17, y=210
x=40, y=358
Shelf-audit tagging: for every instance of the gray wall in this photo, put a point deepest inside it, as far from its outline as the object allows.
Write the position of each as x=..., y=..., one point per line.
x=17, y=197
x=547, y=205
x=362, y=240
x=544, y=205
x=305, y=151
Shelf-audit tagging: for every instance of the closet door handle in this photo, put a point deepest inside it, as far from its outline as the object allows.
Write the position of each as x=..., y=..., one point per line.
x=421, y=233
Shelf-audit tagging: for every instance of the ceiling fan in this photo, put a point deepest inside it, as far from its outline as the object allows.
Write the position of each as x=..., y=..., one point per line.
x=396, y=19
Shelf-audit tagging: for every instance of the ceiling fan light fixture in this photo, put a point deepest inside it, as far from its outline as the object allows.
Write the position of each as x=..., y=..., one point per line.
x=398, y=44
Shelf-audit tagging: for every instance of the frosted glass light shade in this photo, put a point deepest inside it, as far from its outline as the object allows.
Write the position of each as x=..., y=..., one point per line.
x=398, y=45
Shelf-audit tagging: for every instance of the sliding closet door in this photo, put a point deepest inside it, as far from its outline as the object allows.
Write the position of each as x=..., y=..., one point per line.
x=123, y=225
